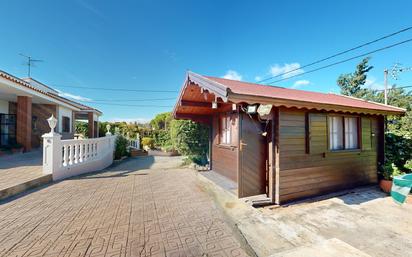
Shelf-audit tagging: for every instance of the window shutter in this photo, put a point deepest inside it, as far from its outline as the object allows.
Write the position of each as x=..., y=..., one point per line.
x=366, y=134
x=318, y=135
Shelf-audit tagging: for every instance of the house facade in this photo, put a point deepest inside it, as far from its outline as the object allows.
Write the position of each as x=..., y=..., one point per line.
x=284, y=143
x=25, y=104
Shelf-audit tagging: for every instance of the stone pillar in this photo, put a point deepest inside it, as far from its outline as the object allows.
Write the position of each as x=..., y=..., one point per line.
x=90, y=126
x=52, y=155
x=23, y=126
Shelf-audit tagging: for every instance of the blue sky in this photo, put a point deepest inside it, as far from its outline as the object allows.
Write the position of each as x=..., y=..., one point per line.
x=150, y=44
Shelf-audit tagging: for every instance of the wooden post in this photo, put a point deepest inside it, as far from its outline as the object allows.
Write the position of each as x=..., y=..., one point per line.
x=271, y=159
x=275, y=149
x=381, y=139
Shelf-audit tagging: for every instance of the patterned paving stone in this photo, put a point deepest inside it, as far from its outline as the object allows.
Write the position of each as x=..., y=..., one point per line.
x=143, y=207
x=16, y=169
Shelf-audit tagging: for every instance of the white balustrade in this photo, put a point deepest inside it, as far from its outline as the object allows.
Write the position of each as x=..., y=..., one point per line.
x=134, y=143
x=67, y=158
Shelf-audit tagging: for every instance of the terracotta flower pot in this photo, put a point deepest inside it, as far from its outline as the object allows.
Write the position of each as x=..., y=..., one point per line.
x=409, y=199
x=17, y=150
x=386, y=185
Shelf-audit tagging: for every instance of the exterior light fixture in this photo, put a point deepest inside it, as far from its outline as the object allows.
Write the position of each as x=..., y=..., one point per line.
x=251, y=109
x=108, y=130
x=52, y=123
x=214, y=105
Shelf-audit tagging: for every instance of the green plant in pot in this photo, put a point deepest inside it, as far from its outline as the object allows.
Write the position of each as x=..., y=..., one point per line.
x=408, y=166
x=387, y=172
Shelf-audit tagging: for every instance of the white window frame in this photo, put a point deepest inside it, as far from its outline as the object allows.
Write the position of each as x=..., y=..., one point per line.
x=225, y=129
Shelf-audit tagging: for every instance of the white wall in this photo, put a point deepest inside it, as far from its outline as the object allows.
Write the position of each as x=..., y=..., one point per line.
x=63, y=111
x=4, y=107
x=91, y=155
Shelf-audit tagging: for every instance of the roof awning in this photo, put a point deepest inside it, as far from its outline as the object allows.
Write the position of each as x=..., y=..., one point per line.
x=198, y=92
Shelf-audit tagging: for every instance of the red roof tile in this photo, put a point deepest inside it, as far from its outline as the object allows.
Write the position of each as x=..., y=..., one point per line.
x=246, y=88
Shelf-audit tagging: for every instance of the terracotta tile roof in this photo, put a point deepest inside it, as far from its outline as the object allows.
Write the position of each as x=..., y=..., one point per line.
x=252, y=89
x=24, y=83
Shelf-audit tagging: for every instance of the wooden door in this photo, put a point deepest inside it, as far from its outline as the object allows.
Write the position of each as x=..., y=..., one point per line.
x=252, y=158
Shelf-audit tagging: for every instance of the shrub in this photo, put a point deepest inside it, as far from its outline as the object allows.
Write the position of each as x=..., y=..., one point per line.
x=161, y=138
x=121, y=147
x=148, y=142
x=190, y=139
x=408, y=165
x=390, y=170
x=398, y=149
x=81, y=127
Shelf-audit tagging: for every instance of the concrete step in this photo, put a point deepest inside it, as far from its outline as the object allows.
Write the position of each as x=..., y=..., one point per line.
x=24, y=186
x=135, y=152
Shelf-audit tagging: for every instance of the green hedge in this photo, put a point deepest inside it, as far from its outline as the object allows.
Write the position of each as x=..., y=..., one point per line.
x=121, y=147
x=190, y=139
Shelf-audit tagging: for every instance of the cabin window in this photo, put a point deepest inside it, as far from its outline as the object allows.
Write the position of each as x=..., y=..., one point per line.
x=351, y=133
x=343, y=133
x=66, y=124
x=225, y=130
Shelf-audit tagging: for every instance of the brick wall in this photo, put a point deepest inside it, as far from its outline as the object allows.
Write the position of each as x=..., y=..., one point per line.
x=40, y=113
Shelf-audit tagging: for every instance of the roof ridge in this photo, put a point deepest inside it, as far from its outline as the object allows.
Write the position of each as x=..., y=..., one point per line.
x=242, y=81
x=250, y=88
x=372, y=102
x=15, y=79
x=210, y=80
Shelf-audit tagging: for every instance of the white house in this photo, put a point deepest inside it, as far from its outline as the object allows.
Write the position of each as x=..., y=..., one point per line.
x=25, y=104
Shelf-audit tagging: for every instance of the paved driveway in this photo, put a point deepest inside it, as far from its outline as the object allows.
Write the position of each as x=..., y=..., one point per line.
x=19, y=168
x=143, y=207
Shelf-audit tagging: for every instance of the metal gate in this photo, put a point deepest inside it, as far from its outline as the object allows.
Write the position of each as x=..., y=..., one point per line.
x=7, y=129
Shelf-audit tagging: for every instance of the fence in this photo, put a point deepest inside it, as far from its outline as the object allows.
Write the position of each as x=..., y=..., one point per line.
x=67, y=158
x=134, y=143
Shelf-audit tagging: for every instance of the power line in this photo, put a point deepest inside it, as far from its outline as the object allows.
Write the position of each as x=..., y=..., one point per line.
x=121, y=89
x=338, y=54
x=136, y=105
x=127, y=100
x=343, y=61
x=392, y=88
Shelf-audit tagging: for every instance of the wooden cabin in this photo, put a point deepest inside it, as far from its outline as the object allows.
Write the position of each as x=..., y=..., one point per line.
x=286, y=143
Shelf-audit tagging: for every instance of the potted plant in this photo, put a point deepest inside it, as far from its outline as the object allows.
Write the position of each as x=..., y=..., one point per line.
x=408, y=165
x=388, y=171
x=17, y=148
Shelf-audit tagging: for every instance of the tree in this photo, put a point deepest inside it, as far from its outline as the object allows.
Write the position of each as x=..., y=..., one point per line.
x=81, y=128
x=161, y=121
x=351, y=83
x=398, y=135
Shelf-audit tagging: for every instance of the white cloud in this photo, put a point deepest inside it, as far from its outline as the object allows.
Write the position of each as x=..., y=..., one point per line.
x=231, y=74
x=290, y=69
x=74, y=97
x=300, y=83
x=258, y=78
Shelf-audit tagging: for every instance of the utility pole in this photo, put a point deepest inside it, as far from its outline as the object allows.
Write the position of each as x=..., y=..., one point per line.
x=30, y=63
x=385, y=79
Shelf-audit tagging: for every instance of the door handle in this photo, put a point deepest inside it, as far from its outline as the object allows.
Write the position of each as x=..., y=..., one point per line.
x=241, y=145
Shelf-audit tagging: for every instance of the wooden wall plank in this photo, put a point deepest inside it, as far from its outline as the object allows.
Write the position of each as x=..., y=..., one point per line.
x=320, y=171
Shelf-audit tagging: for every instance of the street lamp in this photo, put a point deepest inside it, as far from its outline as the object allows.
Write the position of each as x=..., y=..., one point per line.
x=52, y=123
